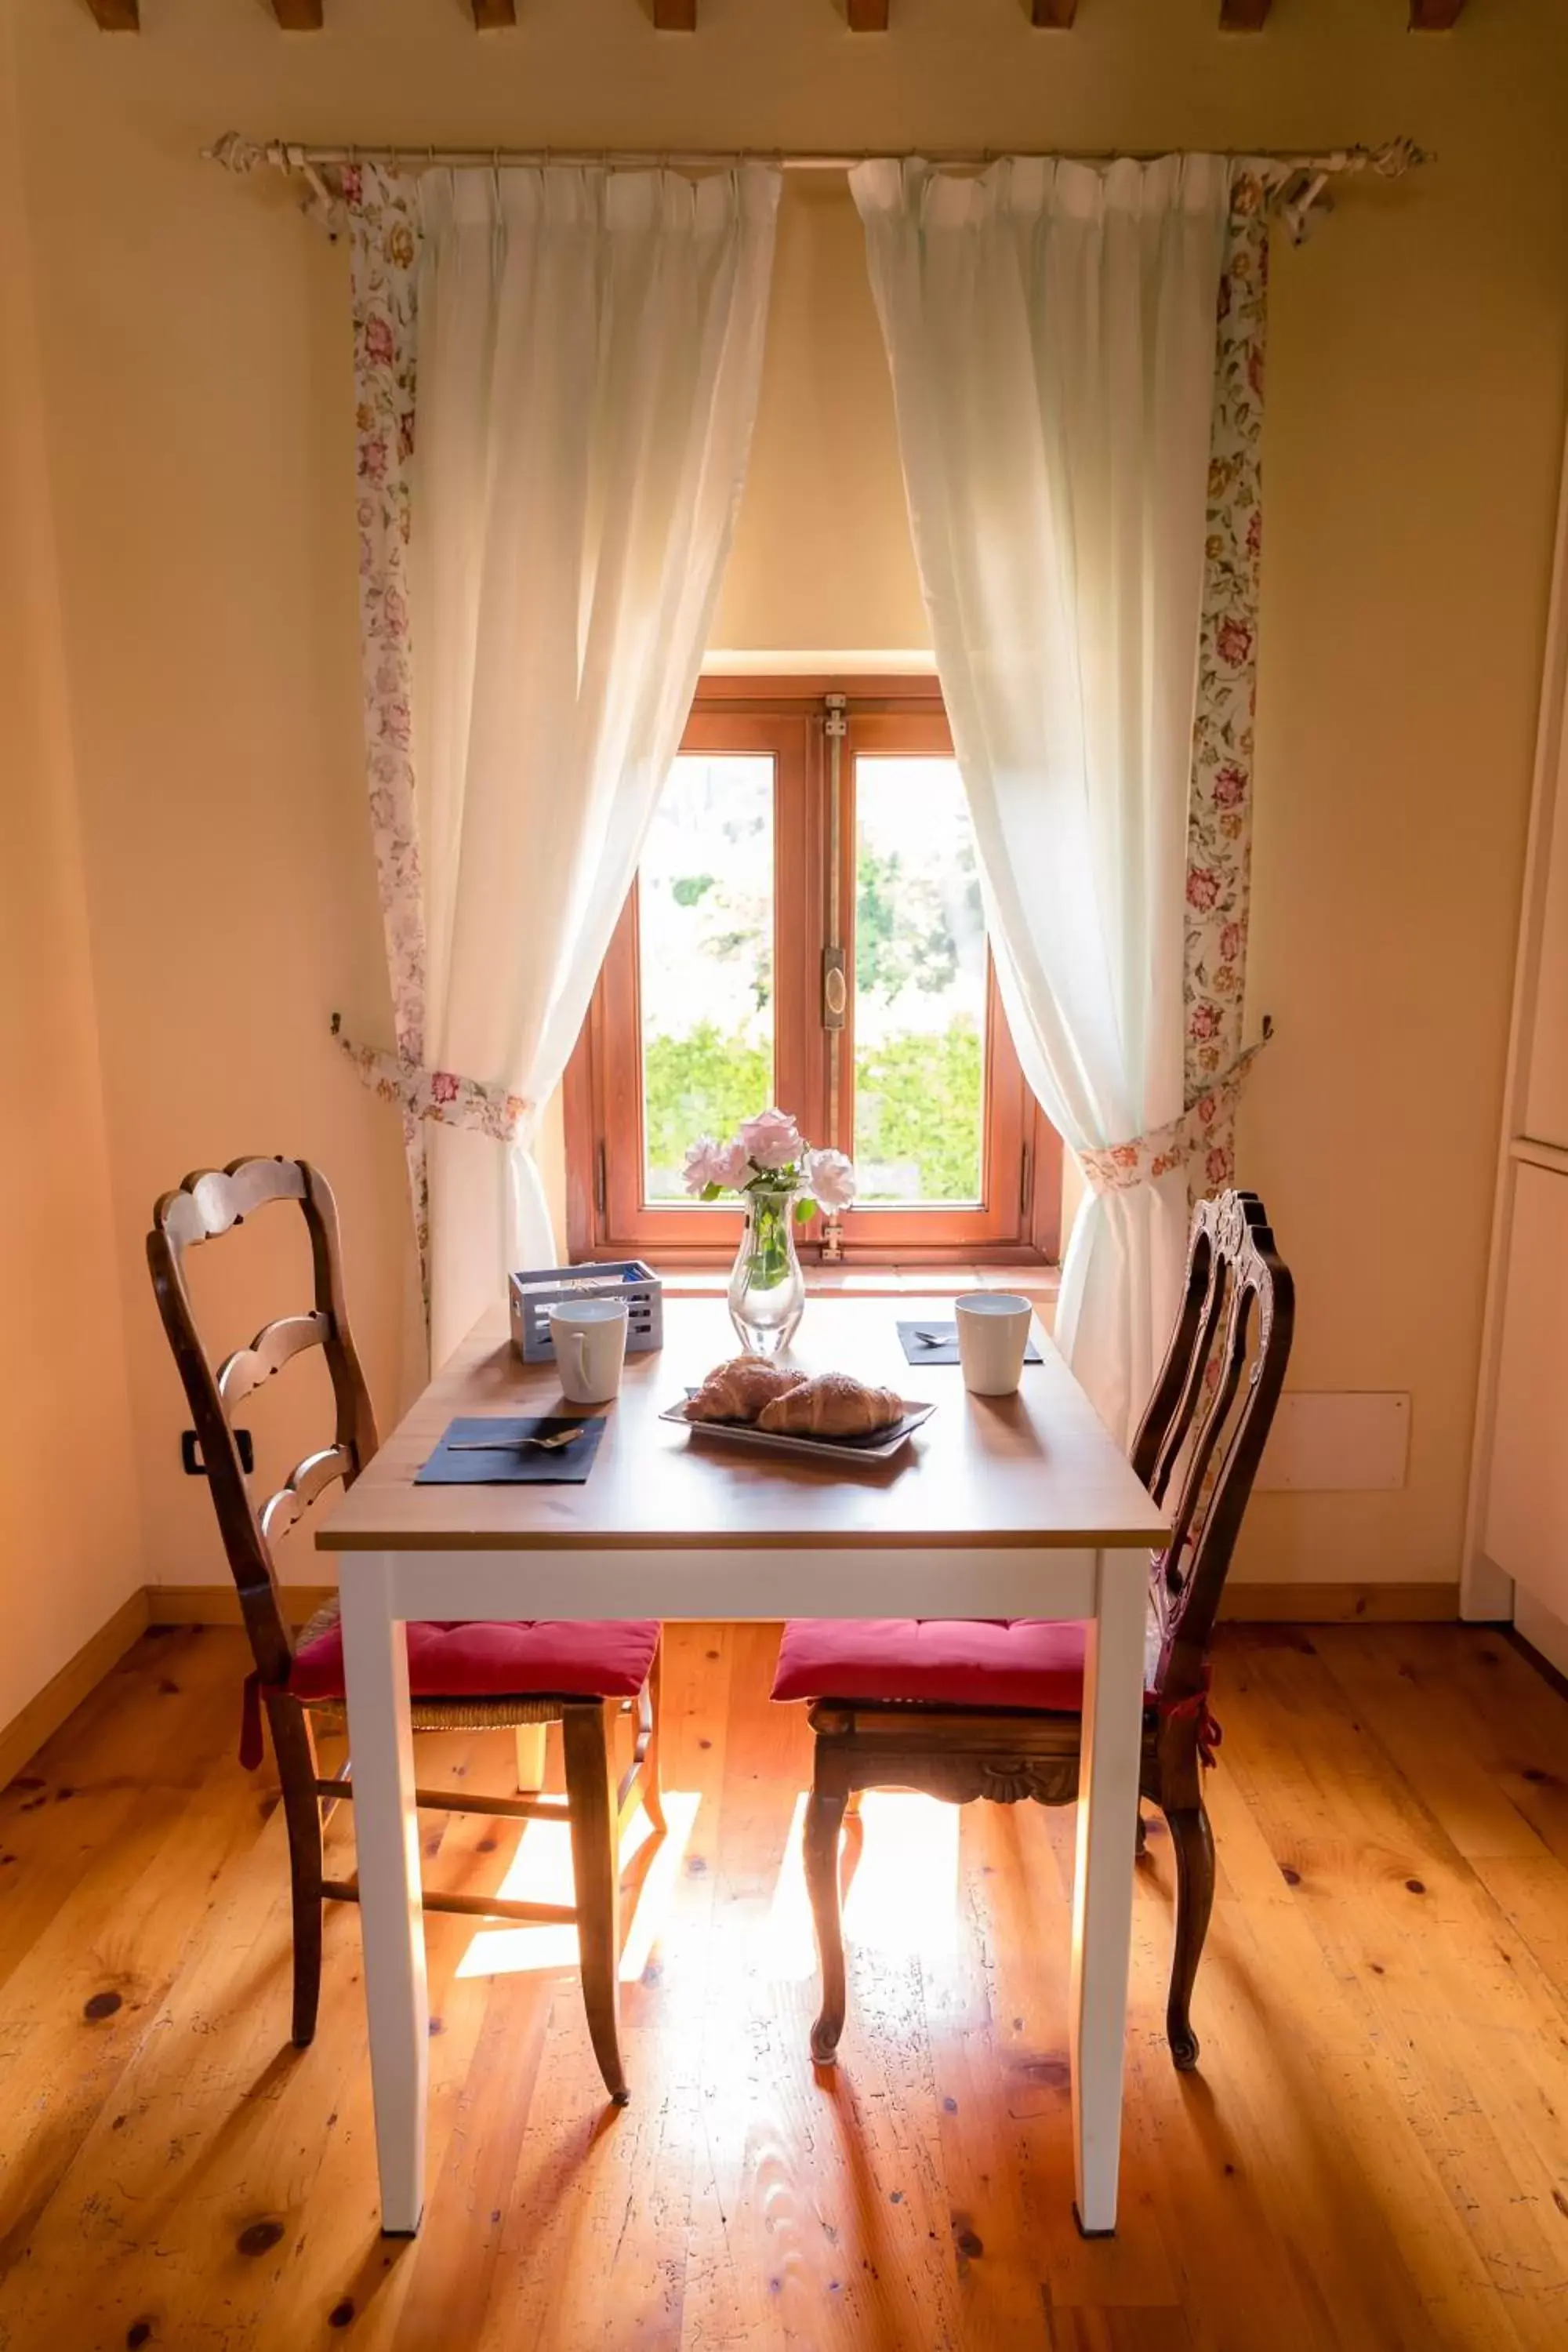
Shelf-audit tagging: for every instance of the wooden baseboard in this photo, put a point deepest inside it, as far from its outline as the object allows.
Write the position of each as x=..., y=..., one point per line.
x=219, y=1604
x=1302, y=1604
x=63, y=1693
x=1341, y=1605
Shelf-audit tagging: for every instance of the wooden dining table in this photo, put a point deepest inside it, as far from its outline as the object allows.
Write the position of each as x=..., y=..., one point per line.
x=997, y=1507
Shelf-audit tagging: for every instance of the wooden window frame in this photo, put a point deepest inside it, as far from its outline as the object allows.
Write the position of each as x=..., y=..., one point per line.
x=1019, y=1221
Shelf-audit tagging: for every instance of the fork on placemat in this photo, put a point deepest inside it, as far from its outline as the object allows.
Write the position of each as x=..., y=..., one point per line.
x=558, y=1437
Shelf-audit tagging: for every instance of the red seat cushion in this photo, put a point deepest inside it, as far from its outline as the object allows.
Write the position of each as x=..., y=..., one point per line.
x=1018, y=1662
x=518, y=1659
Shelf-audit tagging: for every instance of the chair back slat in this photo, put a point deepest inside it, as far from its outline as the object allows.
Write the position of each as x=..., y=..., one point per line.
x=305, y=1482
x=1209, y=1419
x=207, y=1205
x=274, y=1345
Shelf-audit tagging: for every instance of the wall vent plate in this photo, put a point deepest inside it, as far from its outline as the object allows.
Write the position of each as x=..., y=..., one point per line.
x=1340, y=1442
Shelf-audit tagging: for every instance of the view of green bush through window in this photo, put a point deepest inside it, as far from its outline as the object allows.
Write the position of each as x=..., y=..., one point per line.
x=706, y=916
x=920, y=985
x=705, y=927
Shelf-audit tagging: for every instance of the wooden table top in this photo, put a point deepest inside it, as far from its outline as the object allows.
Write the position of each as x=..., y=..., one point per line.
x=1036, y=1468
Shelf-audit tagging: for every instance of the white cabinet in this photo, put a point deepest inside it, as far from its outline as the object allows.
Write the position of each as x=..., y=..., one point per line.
x=1545, y=1117
x=1526, y=1525
x=1516, y=1538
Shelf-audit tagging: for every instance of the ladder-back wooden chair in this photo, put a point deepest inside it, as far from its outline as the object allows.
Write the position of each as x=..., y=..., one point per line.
x=518, y=1676
x=962, y=1710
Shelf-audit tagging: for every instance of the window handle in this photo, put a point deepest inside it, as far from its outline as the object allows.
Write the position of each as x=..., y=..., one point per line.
x=834, y=988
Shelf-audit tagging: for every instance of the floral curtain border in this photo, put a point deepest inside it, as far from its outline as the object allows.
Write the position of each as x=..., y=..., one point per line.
x=384, y=216
x=1219, y=806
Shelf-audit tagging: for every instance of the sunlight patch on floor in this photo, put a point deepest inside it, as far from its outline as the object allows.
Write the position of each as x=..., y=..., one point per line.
x=902, y=1896
x=541, y=1872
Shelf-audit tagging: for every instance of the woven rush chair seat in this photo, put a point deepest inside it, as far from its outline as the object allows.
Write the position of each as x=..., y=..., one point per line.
x=474, y=1675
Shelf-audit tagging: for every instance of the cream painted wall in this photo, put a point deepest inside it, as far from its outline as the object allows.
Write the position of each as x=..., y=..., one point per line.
x=195, y=364
x=69, y=1523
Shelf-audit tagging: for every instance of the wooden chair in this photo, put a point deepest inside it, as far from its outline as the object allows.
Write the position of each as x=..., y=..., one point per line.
x=518, y=1676
x=960, y=1711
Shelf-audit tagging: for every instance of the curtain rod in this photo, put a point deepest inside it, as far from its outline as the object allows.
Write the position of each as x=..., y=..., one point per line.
x=1300, y=179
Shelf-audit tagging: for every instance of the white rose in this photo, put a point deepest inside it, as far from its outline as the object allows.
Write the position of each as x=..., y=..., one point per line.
x=830, y=1178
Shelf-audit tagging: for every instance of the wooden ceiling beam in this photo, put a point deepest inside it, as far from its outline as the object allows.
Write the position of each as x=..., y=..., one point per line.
x=1053, y=15
x=117, y=15
x=1434, y=16
x=493, y=15
x=298, y=16
x=675, y=16
x=1242, y=16
x=867, y=16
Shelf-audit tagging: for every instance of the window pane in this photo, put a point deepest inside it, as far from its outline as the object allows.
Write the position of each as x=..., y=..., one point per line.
x=705, y=923
x=920, y=985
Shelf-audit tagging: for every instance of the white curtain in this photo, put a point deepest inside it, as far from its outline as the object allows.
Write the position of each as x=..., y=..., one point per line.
x=590, y=347
x=1050, y=327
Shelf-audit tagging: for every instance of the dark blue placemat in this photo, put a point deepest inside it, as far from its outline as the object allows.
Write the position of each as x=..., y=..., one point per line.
x=947, y=1349
x=523, y=1465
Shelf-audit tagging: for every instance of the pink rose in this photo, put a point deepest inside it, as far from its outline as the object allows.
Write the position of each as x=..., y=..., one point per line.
x=708, y=1162
x=373, y=459
x=1234, y=643
x=1205, y=1021
x=378, y=339
x=830, y=1176
x=1217, y=1166
x=394, y=611
x=1230, y=942
x=771, y=1140
x=1229, y=786
x=443, y=1087
x=1203, y=888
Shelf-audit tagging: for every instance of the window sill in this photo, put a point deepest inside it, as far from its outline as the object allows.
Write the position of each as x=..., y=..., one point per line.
x=1039, y=1283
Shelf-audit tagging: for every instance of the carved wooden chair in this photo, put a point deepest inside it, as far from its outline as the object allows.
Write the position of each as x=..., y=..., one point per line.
x=520, y=1677
x=963, y=1710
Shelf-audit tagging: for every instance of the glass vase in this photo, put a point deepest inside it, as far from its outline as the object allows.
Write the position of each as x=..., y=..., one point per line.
x=767, y=1289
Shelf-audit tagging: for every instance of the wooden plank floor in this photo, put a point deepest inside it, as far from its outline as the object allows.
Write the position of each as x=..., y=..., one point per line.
x=1374, y=2152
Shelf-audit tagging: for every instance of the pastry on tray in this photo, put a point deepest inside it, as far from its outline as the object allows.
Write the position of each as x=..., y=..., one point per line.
x=739, y=1390
x=831, y=1405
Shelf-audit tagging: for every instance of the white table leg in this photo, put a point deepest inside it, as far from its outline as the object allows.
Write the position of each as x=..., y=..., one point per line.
x=1102, y=1883
x=375, y=1660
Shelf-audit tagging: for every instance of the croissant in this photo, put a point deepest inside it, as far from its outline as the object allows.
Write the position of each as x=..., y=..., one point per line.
x=832, y=1406
x=739, y=1390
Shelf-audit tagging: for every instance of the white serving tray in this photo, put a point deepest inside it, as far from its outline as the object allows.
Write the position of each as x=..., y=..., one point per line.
x=880, y=1446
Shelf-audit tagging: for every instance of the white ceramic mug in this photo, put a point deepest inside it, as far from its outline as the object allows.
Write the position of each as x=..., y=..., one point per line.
x=590, y=1347
x=993, y=1333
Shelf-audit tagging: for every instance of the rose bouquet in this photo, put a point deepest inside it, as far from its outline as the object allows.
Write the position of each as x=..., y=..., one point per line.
x=776, y=1174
